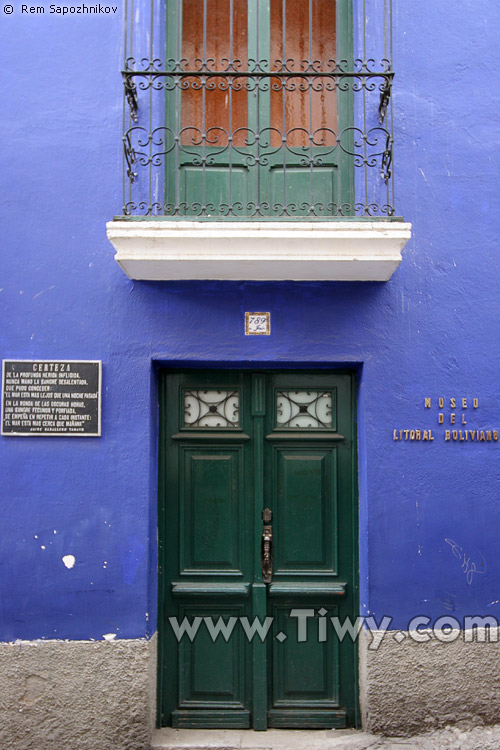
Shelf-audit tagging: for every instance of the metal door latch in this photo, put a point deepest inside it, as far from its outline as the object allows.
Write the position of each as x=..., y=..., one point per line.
x=267, y=546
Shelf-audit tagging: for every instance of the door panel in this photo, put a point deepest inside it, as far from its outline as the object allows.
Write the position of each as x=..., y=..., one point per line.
x=213, y=671
x=233, y=444
x=305, y=672
x=298, y=184
x=211, y=512
x=304, y=518
x=217, y=184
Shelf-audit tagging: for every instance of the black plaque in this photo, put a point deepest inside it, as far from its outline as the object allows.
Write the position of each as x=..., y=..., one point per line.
x=51, y=397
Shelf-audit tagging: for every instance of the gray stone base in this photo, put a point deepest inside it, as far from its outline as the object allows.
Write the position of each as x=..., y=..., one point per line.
x=77, y=695
x=411, y=687
x=80, y=695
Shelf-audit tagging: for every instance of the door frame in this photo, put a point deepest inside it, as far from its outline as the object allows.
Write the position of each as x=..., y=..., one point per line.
x=163, y=370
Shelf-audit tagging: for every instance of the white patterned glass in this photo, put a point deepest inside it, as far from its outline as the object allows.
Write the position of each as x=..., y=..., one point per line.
x=304, y=409
x=211, y=408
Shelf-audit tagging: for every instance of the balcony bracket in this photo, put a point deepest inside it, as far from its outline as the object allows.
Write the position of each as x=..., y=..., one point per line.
x=130, y=94
x=385, y=95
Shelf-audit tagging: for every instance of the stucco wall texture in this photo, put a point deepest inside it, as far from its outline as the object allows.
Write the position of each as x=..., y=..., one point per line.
x=410, y=687
x=431, y=331
x=90, y=696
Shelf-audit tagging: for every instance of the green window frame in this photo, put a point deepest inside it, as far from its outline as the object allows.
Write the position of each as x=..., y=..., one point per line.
x=258, y=178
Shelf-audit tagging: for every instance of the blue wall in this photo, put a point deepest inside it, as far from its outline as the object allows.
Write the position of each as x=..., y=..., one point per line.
x=430, y=331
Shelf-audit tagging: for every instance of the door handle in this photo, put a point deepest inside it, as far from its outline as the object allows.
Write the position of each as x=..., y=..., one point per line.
x=266, y=549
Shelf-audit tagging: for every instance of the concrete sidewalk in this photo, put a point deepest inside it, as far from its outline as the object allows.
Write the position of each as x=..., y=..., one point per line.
x=450, y=738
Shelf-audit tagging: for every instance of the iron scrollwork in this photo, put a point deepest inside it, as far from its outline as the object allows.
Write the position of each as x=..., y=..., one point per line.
x=161, y=138
x=211, y=408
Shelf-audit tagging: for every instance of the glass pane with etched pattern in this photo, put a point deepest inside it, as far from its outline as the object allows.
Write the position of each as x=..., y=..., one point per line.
x=211, y=408
x=304, y=409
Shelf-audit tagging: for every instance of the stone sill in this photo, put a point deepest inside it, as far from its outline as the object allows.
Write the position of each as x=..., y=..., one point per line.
x=158, y=250
x=272, y=739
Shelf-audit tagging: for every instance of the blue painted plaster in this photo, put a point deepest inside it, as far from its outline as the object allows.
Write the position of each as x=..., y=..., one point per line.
x=431, y=331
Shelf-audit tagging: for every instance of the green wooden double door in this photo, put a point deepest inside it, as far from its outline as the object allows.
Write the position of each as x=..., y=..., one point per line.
x=258, y=569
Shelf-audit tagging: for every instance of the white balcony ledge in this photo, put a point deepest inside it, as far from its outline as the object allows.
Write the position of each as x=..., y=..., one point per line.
x=263, y=251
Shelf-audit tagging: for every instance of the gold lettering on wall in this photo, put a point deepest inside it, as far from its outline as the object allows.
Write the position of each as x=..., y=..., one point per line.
x=447, y=406
x=441, y=401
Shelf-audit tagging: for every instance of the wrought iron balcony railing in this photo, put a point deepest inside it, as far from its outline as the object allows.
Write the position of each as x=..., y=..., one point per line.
x=258, y=109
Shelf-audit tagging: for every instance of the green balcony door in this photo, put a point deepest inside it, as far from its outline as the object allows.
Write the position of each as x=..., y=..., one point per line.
x=249, y=132
x=257, y=520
